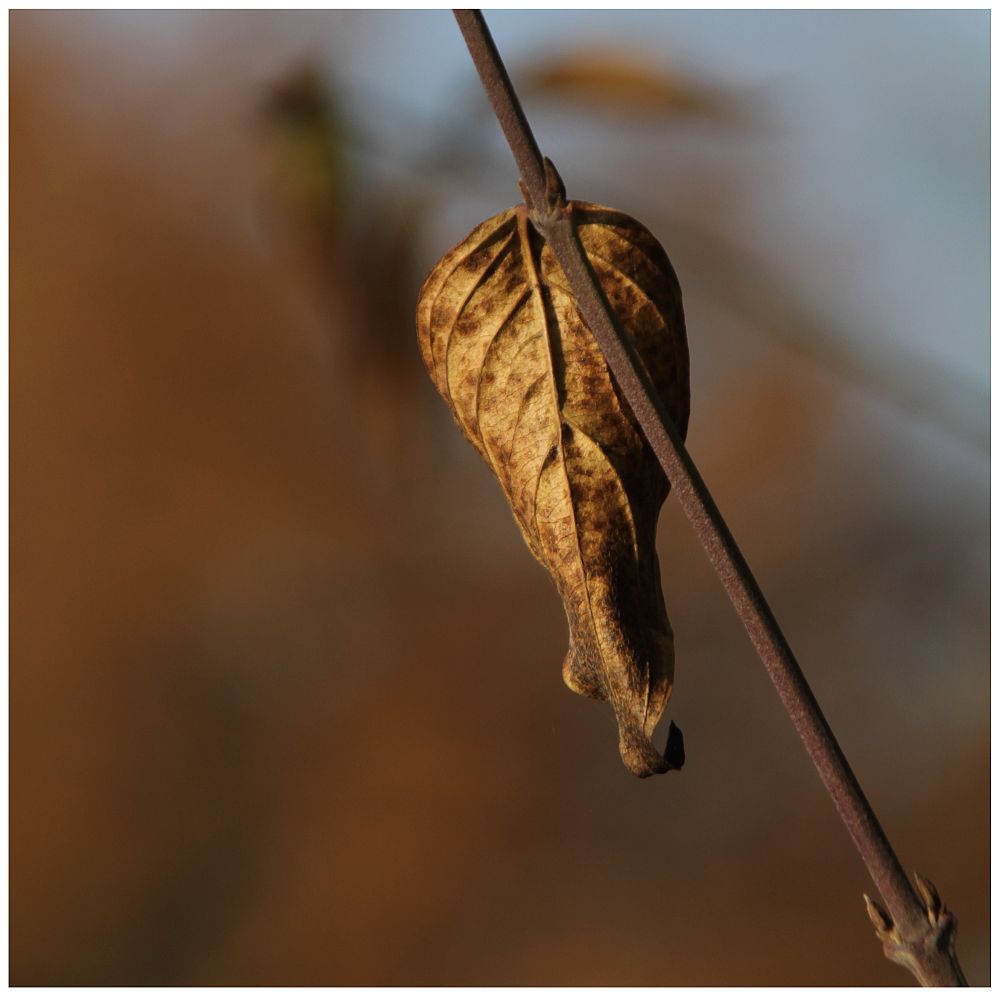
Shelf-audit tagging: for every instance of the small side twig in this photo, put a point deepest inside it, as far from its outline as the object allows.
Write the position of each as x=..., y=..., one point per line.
x=916, y=931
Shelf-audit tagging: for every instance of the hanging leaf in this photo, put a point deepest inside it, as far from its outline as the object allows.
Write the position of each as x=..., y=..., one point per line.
x=529, y=387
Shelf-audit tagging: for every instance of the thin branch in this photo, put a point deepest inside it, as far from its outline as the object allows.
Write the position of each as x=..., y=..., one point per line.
x=917, y=931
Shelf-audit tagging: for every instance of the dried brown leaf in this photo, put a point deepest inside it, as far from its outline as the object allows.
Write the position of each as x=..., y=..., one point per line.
x=529, y=387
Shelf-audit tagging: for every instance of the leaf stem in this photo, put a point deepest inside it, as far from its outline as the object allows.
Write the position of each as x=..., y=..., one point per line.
x=917, y=931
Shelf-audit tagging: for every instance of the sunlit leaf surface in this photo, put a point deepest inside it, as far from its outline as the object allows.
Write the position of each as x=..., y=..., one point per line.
x=529, y=387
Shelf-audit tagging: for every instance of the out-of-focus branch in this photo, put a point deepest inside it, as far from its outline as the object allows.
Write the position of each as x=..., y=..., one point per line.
x=917, y=932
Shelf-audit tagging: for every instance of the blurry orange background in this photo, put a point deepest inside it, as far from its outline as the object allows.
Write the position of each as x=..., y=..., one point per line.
x=286, y=704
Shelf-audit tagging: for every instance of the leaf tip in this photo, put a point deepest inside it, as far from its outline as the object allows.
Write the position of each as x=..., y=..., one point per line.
x=643, y=759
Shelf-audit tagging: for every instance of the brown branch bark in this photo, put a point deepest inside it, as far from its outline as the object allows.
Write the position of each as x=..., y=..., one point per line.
x=917, y=931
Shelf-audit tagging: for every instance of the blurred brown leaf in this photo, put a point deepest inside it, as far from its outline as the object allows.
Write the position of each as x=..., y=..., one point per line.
x=622, y=83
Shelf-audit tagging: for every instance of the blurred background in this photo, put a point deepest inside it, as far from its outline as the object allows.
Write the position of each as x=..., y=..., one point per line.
x=285, y=691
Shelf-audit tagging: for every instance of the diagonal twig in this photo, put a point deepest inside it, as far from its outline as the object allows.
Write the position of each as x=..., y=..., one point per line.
x=917, y=931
